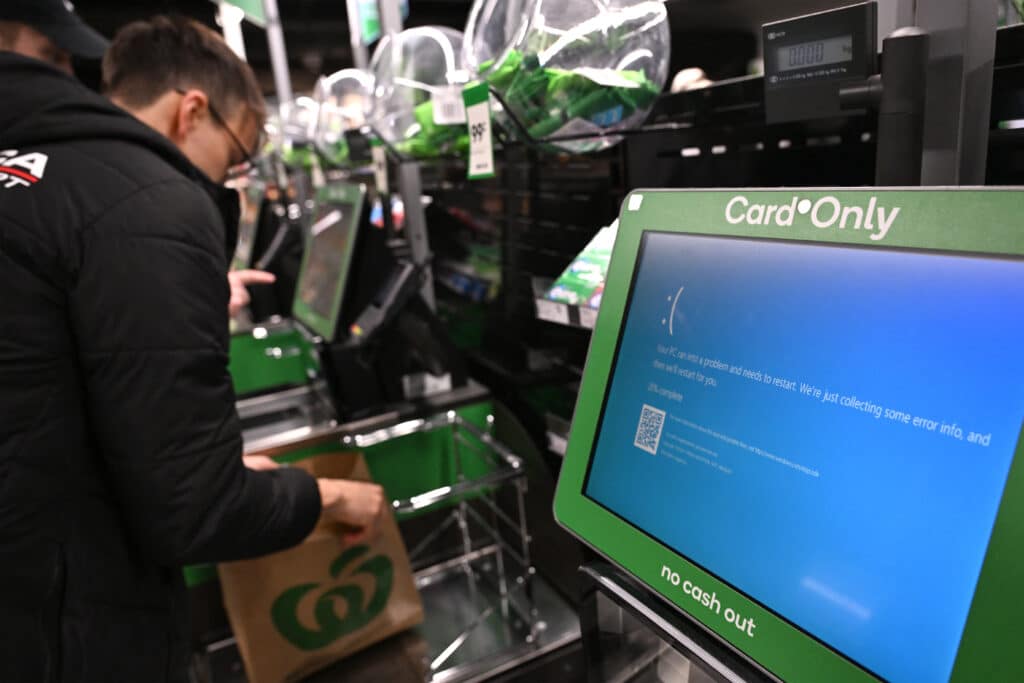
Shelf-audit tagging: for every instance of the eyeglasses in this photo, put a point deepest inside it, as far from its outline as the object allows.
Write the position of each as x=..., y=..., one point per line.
x=248, y=160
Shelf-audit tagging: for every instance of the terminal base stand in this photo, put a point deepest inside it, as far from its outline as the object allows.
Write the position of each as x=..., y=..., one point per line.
x=632, y=636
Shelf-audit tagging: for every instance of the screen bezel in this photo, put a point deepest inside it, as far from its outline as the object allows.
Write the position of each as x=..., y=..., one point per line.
x=349, y=195
x=928, y=221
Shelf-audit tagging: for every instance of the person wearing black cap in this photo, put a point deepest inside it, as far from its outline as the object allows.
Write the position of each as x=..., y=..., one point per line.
x=120, y=446
x=51, y=32
x=48, y=30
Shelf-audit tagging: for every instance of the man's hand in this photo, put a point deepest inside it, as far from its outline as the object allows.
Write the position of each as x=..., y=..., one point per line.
x=259, y=462
x=239, y=279
x=357, y=505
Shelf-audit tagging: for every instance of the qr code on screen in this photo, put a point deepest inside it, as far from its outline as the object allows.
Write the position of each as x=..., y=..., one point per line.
x=648, y=432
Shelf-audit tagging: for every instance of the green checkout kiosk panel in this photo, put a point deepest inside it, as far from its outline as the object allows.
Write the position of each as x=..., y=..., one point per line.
x=800, y=424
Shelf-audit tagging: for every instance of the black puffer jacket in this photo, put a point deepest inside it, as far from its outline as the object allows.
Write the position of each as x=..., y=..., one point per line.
x=120, y=451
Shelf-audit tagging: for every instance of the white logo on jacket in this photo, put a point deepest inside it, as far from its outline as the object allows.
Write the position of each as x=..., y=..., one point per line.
x=21, y=170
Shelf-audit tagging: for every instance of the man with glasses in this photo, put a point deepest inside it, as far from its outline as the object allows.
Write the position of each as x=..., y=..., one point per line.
x=119, y=441
x=239, y=280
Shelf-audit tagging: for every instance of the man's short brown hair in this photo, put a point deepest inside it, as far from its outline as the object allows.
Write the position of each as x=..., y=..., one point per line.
x=149, y=58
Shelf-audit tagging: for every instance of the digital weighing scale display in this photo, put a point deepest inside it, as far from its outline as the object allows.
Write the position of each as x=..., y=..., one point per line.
x=815, y=53
x=809, y=59
x=827, y=429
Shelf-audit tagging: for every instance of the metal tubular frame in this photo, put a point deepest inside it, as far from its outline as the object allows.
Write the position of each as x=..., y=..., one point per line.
x=477, y=512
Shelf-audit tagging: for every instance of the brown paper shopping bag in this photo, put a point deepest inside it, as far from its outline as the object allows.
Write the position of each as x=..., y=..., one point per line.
x=303, y=609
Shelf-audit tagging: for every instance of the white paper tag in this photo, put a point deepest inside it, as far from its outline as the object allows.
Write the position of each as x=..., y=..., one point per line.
x=481, y=147
x=588, y=317
x=380, y=167
x=449, y=108
x=423, y=384
x=553, y=311
x=557, y=444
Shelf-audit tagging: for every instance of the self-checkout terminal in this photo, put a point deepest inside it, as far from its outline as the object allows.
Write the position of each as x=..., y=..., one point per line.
x=359, y=298
x=795, y=445
x=269, y=356
x=360, y=338
x=799, y=422
x=380, y=343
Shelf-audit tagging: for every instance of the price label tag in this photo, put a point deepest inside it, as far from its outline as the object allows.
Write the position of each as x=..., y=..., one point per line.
x=380, y=165
x=423, y=384
x=478, y=121
x=557, y=444
x=449, y=109
x=553, y=311
x=588, y=317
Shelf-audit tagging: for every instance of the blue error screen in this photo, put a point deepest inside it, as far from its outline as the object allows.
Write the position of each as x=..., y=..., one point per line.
x=827, y=429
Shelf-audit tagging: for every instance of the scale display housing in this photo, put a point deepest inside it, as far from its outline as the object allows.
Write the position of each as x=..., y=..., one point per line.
x=808, y=59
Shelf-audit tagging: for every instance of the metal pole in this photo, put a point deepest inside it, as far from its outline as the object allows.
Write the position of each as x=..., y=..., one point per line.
x=230, y=19
x=360, y=56
x=893, y=14
x=411, y=187
x=390, y=16
x=902, y=106
x=410, y=183
x=959, y=91
x=905, y=13
x=278, y=52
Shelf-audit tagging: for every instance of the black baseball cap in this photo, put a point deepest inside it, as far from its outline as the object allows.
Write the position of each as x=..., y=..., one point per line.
x=56, y=19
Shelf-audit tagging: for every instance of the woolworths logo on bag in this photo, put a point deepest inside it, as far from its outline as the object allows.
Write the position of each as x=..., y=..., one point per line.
x=356, y=610
x=826, y=213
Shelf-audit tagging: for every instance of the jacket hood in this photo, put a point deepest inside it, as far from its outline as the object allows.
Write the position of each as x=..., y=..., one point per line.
x=43, y=105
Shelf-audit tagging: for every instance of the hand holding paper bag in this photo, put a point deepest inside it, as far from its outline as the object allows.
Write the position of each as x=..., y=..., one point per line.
x=356, y=505
x=302, y=609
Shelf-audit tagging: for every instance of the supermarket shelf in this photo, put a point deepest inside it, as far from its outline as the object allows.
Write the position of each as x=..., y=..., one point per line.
x=583, y=317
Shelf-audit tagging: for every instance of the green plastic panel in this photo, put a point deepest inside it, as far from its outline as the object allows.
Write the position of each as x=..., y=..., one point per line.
x=256, y=368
